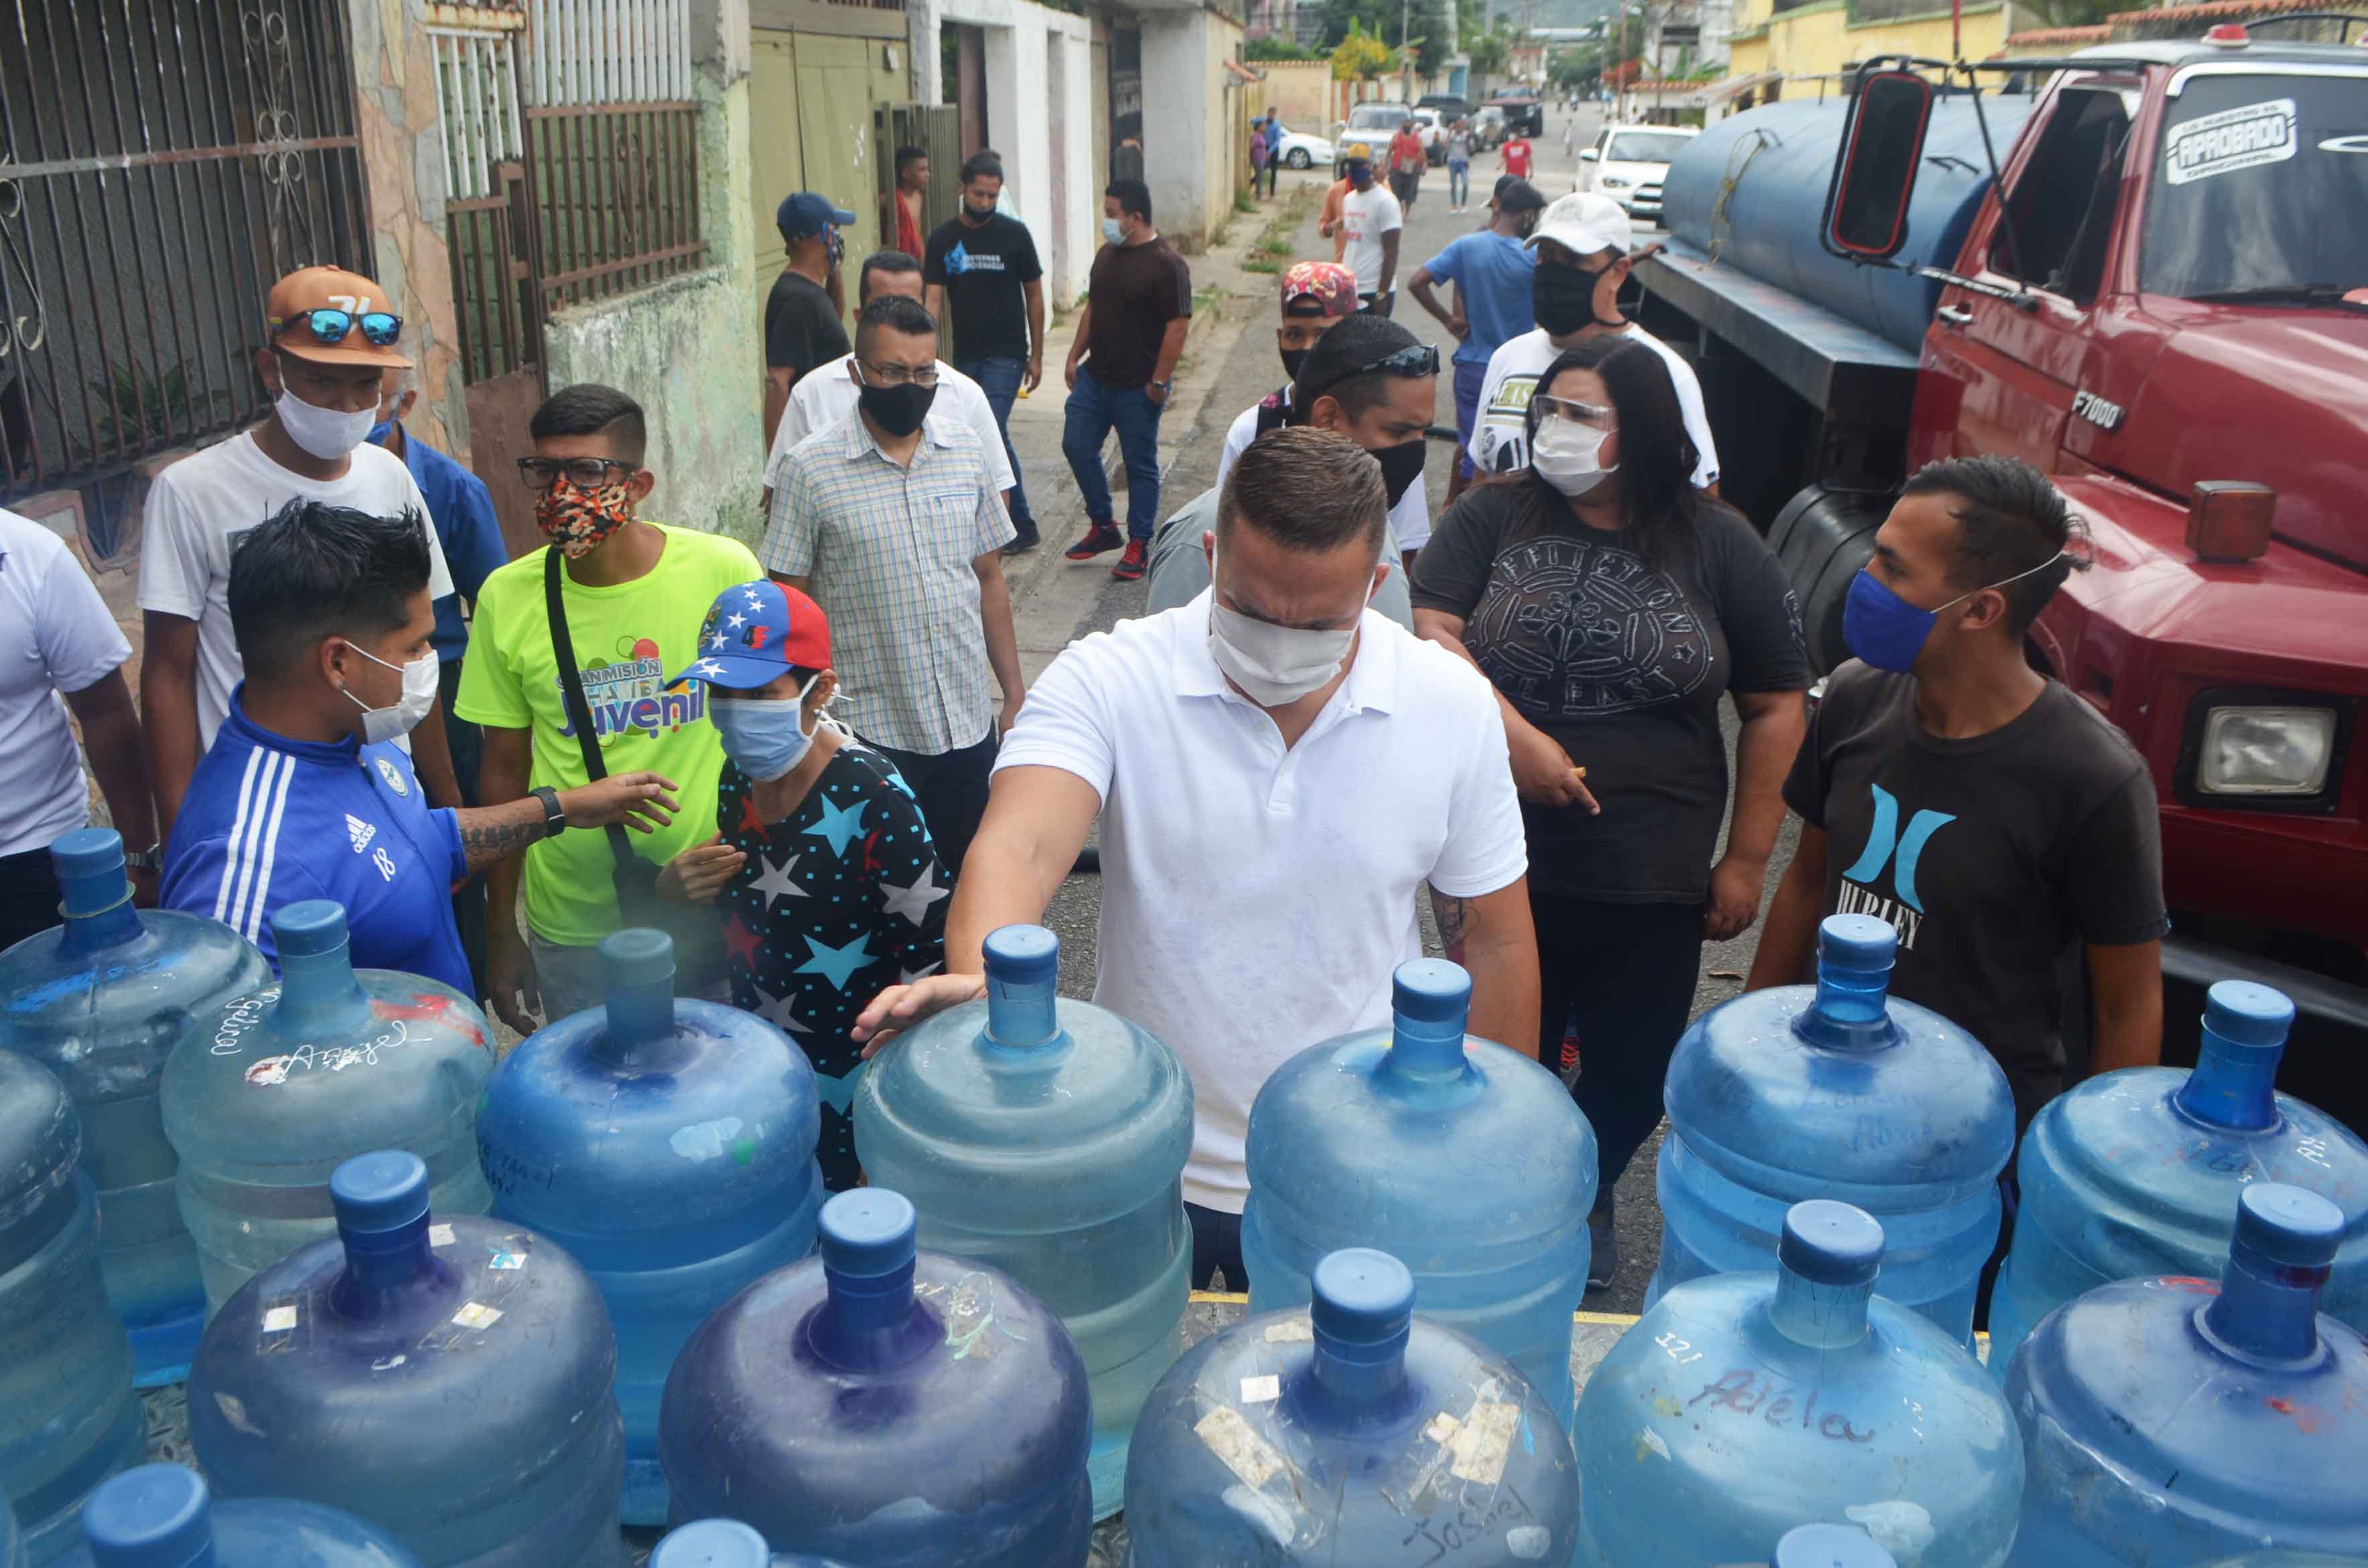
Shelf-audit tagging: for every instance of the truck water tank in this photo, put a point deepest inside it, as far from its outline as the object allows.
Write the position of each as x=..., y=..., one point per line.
x=101, y=1000
x=1835, y=1090
x=448, y=1379
x=887, y=1406
x=1751, y=191
x=2171, y=1420
x=1048, y=1138
x=285, y=1084
x=669, y=1146
x=1464, y=1160
x=2134, y=1174
x=68, y=1417
x=725, y=1543
x=1744, y=1404
x=162, y=1516
x=1349, y=1431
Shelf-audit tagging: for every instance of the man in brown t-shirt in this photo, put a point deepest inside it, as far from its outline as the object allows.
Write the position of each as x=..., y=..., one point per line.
x=1138, y=305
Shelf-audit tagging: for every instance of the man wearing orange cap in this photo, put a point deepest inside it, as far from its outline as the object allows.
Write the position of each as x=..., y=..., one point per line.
x=330, y=339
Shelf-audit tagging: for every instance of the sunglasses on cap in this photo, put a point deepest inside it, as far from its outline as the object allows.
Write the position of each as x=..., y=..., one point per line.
x=1414, y=360
x=378, y=327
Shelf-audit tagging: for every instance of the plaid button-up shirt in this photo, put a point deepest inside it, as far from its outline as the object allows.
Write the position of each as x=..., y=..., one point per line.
x=888, y=551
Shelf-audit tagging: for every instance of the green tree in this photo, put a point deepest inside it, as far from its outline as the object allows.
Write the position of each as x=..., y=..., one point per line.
x=1262, y=49
x=1488, y=48
x=1359, y=56
x=1415, y=25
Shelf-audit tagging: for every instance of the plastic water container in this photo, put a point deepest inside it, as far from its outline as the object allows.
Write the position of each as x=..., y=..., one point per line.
x=1465, y=1160
x=101, y=1000
x=882, y=1405
x=447, y=1379
x=1350, y=1433
x=725, y=1543
x=296, y=1079
x=1829, y=1546
x=161, y=1516
x=68, y=1419
x=1047, y=1138
x=2171, y=1420
x=2291, y=1559
x=1835, y=1091
x=12, y=1544
x=2135, y=1173
x=669, y=1146
x=1745, y=1405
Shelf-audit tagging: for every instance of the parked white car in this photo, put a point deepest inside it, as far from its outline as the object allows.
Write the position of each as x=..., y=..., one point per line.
x=1629, y=161
x=1298, y=150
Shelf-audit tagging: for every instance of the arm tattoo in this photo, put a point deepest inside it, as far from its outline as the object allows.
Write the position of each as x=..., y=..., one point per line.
x=495, y=832
x=1453, y=917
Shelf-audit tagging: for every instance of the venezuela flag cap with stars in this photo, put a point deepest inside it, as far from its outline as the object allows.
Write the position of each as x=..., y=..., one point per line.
x=754, y=632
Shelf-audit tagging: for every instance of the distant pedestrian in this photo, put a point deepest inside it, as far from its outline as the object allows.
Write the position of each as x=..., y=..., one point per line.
x=1273, y=147
x=1327, y=221
x=801, y=325
x=982, y=280
x=912, y=187
x=1491, y=270
x=1458, y=166
x=1569, y=135
x=1370, y=220
x=1518, y=154
x=1138, y=308
x=1408, y=158
x=1257, y=158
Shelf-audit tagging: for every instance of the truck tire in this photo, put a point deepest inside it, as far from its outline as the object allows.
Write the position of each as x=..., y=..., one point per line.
x=1822, y=538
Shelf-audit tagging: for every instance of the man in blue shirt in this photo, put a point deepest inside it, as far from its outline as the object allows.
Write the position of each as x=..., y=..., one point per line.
x=1490, y=269
x=303, y=793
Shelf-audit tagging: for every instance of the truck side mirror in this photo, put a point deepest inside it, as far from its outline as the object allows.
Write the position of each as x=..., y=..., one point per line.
x=1874, y=173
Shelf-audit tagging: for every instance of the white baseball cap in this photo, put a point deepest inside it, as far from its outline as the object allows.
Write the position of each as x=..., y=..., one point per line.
x=1584, y=223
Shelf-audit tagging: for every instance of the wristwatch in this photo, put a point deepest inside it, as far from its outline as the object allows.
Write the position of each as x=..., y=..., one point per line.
x=149, y=859
x=555, y=815
x=1163, y=387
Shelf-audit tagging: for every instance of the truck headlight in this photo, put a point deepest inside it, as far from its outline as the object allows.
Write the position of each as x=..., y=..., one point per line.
x=2265, y=751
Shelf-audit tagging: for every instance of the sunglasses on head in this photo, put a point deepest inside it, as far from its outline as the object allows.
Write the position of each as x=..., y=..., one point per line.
x=378, y=327
x=1414, y=360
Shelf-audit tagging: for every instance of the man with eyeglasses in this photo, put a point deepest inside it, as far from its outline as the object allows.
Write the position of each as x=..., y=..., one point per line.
x=891, y=523
x=632, y=591
x=330, y=342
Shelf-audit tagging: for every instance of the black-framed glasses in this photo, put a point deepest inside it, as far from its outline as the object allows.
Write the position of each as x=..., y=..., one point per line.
x=1414, y=360
x=380, y=328
x=584, y=473
x=897, y=375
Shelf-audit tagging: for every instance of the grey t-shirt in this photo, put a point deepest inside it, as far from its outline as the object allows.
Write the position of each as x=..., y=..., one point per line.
x=1995, y=858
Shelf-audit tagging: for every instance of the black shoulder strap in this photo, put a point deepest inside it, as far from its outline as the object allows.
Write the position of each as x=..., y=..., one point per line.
x=571, y=688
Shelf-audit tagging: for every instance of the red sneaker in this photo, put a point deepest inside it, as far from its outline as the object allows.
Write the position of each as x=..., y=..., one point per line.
x=1100, y=538
x=1131, y=565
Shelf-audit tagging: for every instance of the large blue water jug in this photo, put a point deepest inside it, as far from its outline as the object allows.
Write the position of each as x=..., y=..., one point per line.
x=161, y=1516
x=296, y=1079
x=669, y=1146
x=1829, y=1546
x=1349, y=1433
x=1048, y=1138
x=1744, y=1404
x=2291, y=1559
x=1835, y=1091
x=1465, y=1160
x=2172, y=1421
x=725, y=1543
x=12, y=1544
x=2134, y=1174
x=447, y=1378
x=895, y=1408
x=68, y=1417
x=101, y=1000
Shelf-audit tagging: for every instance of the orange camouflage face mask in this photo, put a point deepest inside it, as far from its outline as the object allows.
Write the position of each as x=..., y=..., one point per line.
x=575, y=519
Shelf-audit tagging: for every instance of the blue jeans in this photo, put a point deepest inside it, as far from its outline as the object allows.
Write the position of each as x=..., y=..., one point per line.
x=999, y=379
x=1093, y=409
x=1459, y=183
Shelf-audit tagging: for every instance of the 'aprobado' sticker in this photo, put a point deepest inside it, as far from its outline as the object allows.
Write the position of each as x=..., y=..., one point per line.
x=2240, y=138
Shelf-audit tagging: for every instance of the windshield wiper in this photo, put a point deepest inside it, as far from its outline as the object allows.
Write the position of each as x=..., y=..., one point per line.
x=2284, y=294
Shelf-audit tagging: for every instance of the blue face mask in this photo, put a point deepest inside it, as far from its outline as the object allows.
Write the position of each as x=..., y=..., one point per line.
x=1113, y=232
x=1887, y=631
x=765, y=737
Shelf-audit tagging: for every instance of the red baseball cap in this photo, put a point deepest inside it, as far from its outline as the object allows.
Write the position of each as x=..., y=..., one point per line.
x=753, y=632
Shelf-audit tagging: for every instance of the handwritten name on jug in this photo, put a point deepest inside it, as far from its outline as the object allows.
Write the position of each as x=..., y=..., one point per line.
x=1746, y=1392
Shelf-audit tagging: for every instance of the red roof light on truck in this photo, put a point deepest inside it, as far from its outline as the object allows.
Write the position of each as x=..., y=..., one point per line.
x=2228, y=35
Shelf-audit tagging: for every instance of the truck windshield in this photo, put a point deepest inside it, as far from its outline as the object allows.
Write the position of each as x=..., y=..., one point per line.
x=2262, y=192
x=1646, y=147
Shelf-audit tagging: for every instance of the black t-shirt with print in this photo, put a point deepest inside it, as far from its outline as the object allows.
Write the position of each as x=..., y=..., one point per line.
x=802, y=332
x=1621, y=659
x=1995, y=858
x=841, y=899
x=985, y=271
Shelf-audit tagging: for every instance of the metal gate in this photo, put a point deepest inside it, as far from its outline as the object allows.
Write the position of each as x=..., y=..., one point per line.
x=936, y=129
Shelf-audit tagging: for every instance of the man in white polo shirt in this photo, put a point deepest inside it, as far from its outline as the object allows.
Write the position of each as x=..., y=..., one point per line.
x=1277, y=770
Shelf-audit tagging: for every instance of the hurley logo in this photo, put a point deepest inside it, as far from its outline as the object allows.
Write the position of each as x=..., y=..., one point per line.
x=1886, y=843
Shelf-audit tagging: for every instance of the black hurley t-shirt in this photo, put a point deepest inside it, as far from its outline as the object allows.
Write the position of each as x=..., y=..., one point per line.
x=1134, y=292
x=1995, y=858
x=985, y=271
x=1621, y=659
x=802, y=332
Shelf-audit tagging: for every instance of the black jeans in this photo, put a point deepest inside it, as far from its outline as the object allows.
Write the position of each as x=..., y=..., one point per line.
x=1626, y=972
x=951, y=788
x=1217, y=1244
x=30, y=896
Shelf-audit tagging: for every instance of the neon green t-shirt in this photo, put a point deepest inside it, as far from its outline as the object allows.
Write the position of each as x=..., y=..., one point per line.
x=628, y=639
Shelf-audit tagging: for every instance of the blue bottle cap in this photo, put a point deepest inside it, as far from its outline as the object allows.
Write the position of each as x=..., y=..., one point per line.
x=1362, y=1297
x=1856, y=942
x=1829, y=1546
x=711, y=1543
x=1431, y=990
x=380, y=1191
x=867, y=1233
x=2248, y=1014
x=87, y=852
x=2289, y=1226
x=637, y=957
x=1022, y=955
x=153, y=1517
x=309, y=926
x=1828, y=1243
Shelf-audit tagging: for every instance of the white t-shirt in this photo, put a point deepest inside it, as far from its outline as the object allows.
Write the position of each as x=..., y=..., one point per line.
x=201, y=507
x=822, y=397
x=1257, y=900
x=1409, y=519
x=1501, y=438
x=55, y=637
x=1365, y=216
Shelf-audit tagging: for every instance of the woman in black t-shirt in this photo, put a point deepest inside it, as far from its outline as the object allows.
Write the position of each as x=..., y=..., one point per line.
x=1612, y=605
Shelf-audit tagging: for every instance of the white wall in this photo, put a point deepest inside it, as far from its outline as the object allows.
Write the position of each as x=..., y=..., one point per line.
x=1187, y=136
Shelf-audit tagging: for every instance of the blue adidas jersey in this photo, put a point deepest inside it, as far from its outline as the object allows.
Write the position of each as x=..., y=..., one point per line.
x=269, y=821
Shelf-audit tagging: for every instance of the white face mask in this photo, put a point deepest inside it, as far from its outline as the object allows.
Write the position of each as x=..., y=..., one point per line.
x=324, y=432
x=1566, y=454
x=1273, y=664
x=404, y=715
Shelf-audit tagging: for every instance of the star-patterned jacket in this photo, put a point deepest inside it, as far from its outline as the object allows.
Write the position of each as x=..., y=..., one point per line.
x=841, y=899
